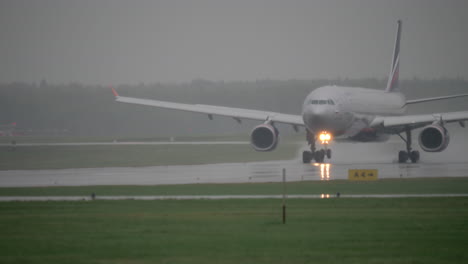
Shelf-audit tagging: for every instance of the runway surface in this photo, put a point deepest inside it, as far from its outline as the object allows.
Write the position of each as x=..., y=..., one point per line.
x=381, y=156
x=223, y=173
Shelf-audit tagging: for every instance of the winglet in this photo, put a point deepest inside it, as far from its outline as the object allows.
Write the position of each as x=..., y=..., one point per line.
x=114, y=92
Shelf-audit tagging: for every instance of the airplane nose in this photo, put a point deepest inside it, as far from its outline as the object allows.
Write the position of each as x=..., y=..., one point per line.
x=318, y=117
x=317, y=113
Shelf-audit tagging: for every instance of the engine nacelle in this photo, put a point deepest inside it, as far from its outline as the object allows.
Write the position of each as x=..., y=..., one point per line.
x=434, y=138
x=264, y=137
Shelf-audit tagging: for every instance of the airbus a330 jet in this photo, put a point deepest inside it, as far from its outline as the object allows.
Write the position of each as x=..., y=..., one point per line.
x=351, y=113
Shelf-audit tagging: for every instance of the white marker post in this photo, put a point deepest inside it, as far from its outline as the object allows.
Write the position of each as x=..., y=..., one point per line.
x=284, y=196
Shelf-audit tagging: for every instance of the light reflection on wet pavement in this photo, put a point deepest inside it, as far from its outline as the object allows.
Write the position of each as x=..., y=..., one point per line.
x=223, y=173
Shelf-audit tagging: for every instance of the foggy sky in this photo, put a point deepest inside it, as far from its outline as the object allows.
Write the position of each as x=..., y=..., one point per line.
x=121, y=41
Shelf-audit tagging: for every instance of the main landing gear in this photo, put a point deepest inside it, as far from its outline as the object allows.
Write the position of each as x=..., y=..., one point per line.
x=314, y=154
x=403, y=155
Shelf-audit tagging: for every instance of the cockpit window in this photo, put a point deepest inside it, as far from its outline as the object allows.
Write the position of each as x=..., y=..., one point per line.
x=322, y=102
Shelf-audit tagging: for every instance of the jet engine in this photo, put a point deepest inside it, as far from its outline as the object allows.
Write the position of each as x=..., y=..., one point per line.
x=434, y=138
x=264, y=137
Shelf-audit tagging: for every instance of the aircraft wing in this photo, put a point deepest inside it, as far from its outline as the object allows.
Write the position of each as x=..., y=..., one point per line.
x=210, y=110
x=397, y=123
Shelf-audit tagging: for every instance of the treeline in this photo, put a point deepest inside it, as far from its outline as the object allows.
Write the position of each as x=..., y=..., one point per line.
x=77, y=109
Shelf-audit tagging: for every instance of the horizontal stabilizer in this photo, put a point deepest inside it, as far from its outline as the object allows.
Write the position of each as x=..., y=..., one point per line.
x=423, y=100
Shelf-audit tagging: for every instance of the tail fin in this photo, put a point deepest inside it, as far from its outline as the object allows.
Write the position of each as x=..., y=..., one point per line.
x=392, y=83
x=114, y=92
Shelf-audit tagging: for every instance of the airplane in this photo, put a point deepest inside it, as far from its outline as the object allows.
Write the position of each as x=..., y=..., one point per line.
x=349, y=113
x=8, y=129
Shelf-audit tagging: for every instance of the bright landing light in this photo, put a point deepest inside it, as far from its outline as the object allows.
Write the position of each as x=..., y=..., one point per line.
x=325, y=137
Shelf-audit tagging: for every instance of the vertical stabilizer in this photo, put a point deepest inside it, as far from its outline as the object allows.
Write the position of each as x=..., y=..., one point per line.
x=392, y=83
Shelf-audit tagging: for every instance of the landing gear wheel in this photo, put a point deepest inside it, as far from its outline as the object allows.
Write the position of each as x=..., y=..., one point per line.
x=307, y=157
x=328, y=153
x=402, y=156
x=320, y=156
x=414, y=156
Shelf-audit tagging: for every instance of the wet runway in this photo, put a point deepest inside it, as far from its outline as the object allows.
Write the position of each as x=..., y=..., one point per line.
x=381, y=156
x=223, y=173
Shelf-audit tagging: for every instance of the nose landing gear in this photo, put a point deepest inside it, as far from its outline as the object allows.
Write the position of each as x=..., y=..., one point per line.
x=318, y=155
x=314, y=154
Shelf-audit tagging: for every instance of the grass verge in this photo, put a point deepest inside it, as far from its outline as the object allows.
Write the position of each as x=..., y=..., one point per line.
x=61, y=157
x=77, y=139
x=415, y=230
x=384, y=186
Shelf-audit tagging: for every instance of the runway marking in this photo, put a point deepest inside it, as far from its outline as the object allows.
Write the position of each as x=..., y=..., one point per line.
x=223, y=197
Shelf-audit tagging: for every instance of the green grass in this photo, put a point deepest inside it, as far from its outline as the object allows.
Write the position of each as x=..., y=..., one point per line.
x=59, y=157
x=416, y=230
x=68, y=139
x=386, y=186
x=77, y=139
x=52, y=139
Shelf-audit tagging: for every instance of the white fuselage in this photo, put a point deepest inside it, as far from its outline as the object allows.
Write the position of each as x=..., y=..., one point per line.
x=348, y=111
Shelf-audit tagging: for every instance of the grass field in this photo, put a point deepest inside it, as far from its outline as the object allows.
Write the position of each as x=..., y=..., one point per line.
x=59, y=157
x=75, y=139
x=414, y=230
x=405, y=230
x=387, y=186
